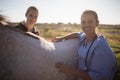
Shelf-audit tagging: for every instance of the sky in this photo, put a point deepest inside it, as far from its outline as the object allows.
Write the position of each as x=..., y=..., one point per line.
x=64, y=11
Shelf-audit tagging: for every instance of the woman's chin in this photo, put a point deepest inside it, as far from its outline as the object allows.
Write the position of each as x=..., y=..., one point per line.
x=32, y=23
x=87, y=32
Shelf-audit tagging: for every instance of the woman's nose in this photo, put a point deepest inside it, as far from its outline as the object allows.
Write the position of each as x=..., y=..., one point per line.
x=85, y=25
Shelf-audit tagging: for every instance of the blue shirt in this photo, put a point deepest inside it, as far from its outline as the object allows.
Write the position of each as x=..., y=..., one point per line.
x=101, y=61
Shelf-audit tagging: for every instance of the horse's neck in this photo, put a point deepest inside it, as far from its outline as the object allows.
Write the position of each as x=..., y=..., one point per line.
x=67, y=45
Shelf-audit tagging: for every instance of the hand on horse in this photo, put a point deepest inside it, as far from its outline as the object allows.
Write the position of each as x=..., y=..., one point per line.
x=57, y=39
x=66, y=69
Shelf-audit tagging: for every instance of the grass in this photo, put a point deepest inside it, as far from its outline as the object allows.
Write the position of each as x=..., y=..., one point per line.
x=117, y=75
x=111, y=33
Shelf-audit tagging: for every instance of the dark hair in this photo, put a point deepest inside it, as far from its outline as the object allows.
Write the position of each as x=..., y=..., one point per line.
x=31, y=8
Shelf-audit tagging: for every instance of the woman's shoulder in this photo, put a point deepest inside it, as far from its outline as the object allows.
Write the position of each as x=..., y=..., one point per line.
x=103, y=45
x=21, y=26
x=81, y=33
x=35, y=31
x=81, y=36
x=101, y=41
x=103, y=49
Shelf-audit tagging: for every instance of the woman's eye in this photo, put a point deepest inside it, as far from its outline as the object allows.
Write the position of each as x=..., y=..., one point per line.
x=35, y=16
x=30, y=16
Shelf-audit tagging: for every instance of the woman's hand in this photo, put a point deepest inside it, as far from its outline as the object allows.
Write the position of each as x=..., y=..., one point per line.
x=69, y=36
x=68, y=70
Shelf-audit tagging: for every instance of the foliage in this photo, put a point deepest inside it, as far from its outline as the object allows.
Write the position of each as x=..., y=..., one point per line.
x=117, y=75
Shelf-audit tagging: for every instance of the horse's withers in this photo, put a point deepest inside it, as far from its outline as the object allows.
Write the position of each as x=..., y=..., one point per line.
x=25, y=57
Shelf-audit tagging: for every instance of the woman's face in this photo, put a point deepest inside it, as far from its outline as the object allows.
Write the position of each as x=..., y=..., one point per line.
x=32, y=17
x=89, y=23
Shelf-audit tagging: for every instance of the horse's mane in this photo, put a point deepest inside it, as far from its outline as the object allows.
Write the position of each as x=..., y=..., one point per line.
x=3, y=20
x=4, y=23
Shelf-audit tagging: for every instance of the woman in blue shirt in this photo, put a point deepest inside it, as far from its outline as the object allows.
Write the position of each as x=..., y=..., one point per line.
x=96, y=60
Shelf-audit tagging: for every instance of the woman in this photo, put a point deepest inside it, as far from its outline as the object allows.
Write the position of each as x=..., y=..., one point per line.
x=96, y=60
x=31, y=18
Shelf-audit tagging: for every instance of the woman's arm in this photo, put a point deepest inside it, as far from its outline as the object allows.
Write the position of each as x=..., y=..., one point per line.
x=68, y=70
x=82, y=74
x=69, y=36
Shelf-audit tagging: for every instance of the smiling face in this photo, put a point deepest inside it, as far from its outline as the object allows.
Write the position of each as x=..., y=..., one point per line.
x=31, y=16
x=89, y=22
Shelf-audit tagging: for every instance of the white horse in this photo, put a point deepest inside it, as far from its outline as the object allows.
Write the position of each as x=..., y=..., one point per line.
x=25, y=56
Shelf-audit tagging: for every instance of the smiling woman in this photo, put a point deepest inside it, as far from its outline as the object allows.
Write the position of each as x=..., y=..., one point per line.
x=96, y=59
x=31, y=18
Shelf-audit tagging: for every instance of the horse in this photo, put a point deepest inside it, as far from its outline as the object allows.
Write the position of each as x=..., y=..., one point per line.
x=25, y=56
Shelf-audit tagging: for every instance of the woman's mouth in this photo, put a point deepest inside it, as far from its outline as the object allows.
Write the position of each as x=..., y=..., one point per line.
x=87, y=29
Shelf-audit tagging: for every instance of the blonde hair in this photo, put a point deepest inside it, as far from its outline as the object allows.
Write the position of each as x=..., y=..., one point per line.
x=91, y=12
x=30, y=8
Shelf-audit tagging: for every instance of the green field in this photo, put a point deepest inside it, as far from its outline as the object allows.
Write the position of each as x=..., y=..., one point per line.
x=110, y=32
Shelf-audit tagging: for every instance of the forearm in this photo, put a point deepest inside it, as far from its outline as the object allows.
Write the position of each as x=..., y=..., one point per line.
x=82, y=74
x=70, y=36
x=73, y=71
